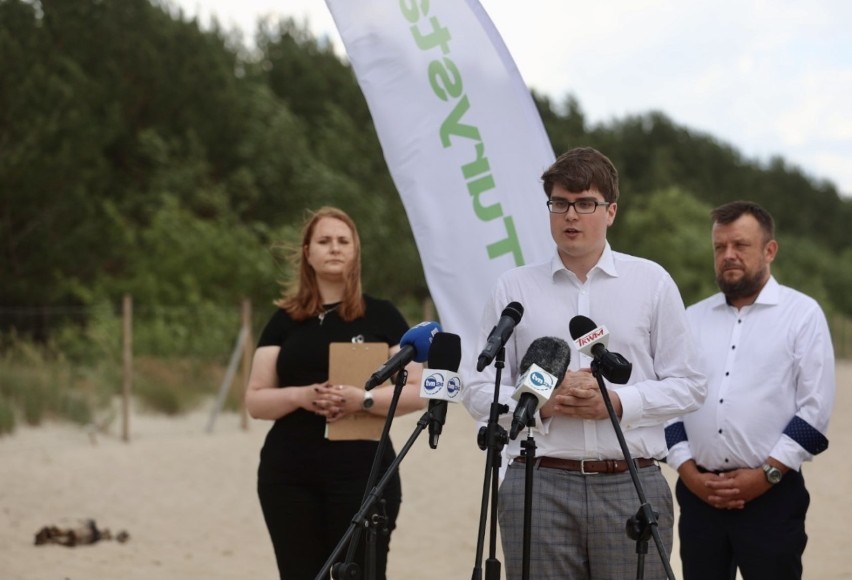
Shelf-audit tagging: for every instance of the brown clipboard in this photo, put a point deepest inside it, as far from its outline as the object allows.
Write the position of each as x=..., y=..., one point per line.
x=352, y=363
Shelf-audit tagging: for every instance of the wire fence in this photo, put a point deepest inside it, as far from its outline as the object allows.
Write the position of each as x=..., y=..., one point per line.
x=72, y=361
x=159, y=330
x=173, y=330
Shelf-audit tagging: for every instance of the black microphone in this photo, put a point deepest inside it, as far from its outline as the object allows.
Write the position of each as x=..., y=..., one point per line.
x=441, y=382
x=543, y=367
x=510, y=317
x=414, y=346
x=592, y=340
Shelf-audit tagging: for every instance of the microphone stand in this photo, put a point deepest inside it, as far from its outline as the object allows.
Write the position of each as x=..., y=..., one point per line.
x=348, y=568
x=491, y=439
x=644, y=524
x=528, y=451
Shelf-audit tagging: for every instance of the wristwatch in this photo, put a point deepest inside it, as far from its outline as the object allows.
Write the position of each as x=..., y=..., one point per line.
x=773, y=474
x=368, y=400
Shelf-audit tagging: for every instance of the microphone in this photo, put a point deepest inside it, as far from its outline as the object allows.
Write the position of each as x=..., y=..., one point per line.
x=592, y=340
x=441, y=382
x=414, y=345
x=510, y=317
x=543, y=368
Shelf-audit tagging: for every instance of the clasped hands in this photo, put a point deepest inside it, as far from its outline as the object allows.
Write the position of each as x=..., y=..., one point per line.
x=730, y=490
x=579, y=396
x=333, y=401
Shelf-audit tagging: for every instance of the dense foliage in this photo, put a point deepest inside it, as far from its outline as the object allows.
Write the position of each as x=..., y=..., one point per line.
x=141, y=154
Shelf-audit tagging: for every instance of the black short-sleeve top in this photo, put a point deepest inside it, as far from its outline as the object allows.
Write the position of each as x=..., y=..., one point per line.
x=296, y=448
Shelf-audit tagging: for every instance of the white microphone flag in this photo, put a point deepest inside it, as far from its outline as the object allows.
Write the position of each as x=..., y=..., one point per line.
x=462, y=139
x=536, y=381
x=585, y=343
x=441, y=385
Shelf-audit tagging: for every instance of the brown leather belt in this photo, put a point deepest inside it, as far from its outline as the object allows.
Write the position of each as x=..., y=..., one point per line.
x=589, y=466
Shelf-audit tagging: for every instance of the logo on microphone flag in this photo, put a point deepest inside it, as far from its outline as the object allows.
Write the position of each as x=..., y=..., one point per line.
x=444, y=385
x=433, y=383
x=538, y=379
x=453, y=387
x=591, y=337
x=462, y=139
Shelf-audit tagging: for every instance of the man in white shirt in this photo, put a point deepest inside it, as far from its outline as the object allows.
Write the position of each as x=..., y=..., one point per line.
x=769, y=362
x=584, y=494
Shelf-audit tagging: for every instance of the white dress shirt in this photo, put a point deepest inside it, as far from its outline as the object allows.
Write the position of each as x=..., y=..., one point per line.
x=770, y=369
x=641, y=307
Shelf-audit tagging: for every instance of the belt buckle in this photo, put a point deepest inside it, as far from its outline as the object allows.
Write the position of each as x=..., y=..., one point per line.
x=583, y=467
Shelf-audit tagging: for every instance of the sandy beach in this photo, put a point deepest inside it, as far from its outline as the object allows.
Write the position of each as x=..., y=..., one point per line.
x=187, y=499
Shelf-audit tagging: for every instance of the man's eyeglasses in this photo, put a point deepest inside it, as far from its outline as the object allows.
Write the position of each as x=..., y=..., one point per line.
x=580, y=206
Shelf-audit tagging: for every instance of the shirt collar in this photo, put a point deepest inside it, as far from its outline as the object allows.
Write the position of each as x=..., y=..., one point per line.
x=769, y=295
x=606, y=263
x=770, y=292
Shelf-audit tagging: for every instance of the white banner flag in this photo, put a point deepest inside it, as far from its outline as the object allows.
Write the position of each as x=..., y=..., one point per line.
x=462, y=139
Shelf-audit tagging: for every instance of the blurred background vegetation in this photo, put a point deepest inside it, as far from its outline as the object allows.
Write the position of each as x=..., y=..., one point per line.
x=141, y=154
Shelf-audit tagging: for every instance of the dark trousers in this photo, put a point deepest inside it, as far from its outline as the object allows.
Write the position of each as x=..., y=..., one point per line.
x=306, y=522
x=765, y=539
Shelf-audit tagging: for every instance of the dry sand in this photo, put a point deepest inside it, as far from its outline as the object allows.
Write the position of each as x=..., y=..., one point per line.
x=187, y=499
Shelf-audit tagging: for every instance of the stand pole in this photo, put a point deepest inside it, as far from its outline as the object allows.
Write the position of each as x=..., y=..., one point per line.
x=373, y=495
x=645, y=521
x=491, y=438
x=528, y=451
x=349, y=569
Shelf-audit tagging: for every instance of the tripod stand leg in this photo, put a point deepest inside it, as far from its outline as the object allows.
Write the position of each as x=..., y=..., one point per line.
x=492, y=564
x=528, y=451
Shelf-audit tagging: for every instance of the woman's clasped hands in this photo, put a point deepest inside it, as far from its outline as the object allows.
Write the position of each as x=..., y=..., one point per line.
x=335, y=401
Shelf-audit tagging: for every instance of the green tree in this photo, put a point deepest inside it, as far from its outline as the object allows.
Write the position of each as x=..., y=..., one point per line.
x=140, y=153
x=671, y=228
x=346, y=167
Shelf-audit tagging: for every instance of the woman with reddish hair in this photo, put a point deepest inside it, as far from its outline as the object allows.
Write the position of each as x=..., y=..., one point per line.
x=310, y=487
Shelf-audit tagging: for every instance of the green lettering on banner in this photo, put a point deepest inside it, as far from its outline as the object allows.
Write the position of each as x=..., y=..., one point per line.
x=410, y=11
x=446, y=83
x=445, y=79
x=438, y=37
x=476, y=188
x=452, y=125
x=479, y=165
x=508, y=245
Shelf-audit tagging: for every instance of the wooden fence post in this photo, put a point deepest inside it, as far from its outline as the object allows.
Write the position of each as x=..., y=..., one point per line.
x=240, y=356
x=428, y=308
x=127, y=355
x=248, y=349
